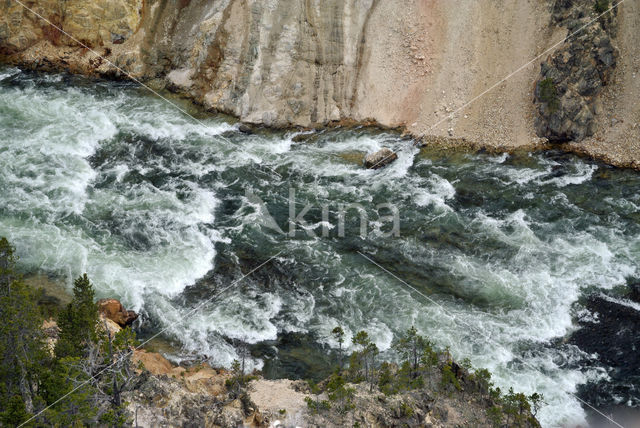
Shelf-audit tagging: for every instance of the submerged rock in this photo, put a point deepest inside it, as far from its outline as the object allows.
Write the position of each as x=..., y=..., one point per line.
x=245, y=129
x=611, y=333
x=113, y=310
x=635, y=292
x=380, y=158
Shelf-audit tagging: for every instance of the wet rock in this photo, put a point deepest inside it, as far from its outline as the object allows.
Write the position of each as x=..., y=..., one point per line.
x=304, y=137
x=613, y=337
x=113, y=310
x=379, y=159
x=634, y=292
x=245, y=129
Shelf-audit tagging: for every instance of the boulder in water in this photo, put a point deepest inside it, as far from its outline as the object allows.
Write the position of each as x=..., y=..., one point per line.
x=380, y=158
x=112, y=309
x=245, y=129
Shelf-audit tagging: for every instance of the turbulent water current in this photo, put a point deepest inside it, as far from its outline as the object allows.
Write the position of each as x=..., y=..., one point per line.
x=493, y=256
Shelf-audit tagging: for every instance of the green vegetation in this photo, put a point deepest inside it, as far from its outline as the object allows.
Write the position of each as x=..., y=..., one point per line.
x=338, y=335
x=77, y=322
x=236, y=383
x=339, y=394
x=420, y=365
x=405, y=410
x=89, y=367
x=449, y=379
x=362, y=361
x=316, y=405
x=82, y=380
x=601, y=6
x=549, y=94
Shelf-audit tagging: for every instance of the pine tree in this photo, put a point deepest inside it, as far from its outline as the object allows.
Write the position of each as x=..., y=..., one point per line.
x=95, y=366
x=338, y=335
x=15, y=412
x=365, y=357
x=413, y=348
x=22, y=348
x=78, y=320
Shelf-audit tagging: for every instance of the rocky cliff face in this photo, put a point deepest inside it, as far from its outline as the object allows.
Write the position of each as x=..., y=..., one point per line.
x=169, y=396
x=573, y=75
x=273, y=62
x=289, y=62
x=92, y=23
x=434, y=67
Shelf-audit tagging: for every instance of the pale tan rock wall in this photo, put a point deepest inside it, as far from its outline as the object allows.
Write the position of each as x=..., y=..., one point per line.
x=310, y=62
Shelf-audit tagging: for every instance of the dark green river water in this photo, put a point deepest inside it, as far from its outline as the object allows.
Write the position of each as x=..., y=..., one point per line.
x=493, y=256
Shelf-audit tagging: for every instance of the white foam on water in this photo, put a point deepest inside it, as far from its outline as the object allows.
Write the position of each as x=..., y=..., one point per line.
x=623, y=302
x=583, y=172
x=47, y=172
x=146, y=241
x=436, y=193
x=521, y=176
x=6, y=72
x=499, y=159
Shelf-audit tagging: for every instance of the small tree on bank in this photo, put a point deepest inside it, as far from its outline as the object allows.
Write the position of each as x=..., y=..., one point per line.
x=78, y=321
x=338, y=335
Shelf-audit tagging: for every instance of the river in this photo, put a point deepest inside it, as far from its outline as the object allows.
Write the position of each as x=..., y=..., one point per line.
x=494, y=256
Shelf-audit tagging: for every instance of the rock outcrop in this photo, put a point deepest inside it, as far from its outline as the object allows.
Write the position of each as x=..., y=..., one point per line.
x=634, y=291
x=113, y=310
x=201, y=396
x=51, y=334
x=177, y=402
x=573, y=75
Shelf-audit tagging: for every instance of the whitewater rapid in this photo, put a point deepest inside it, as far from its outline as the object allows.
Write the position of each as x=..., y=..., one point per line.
x=102, y=178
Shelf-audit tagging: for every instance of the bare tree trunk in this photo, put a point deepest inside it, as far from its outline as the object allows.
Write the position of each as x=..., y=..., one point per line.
x=24, y=388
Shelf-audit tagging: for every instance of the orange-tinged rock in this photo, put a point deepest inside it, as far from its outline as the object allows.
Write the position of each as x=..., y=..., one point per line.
x=113, y=310
x=152, y=361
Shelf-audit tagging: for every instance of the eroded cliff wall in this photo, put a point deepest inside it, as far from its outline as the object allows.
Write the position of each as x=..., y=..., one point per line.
x=412, y=63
